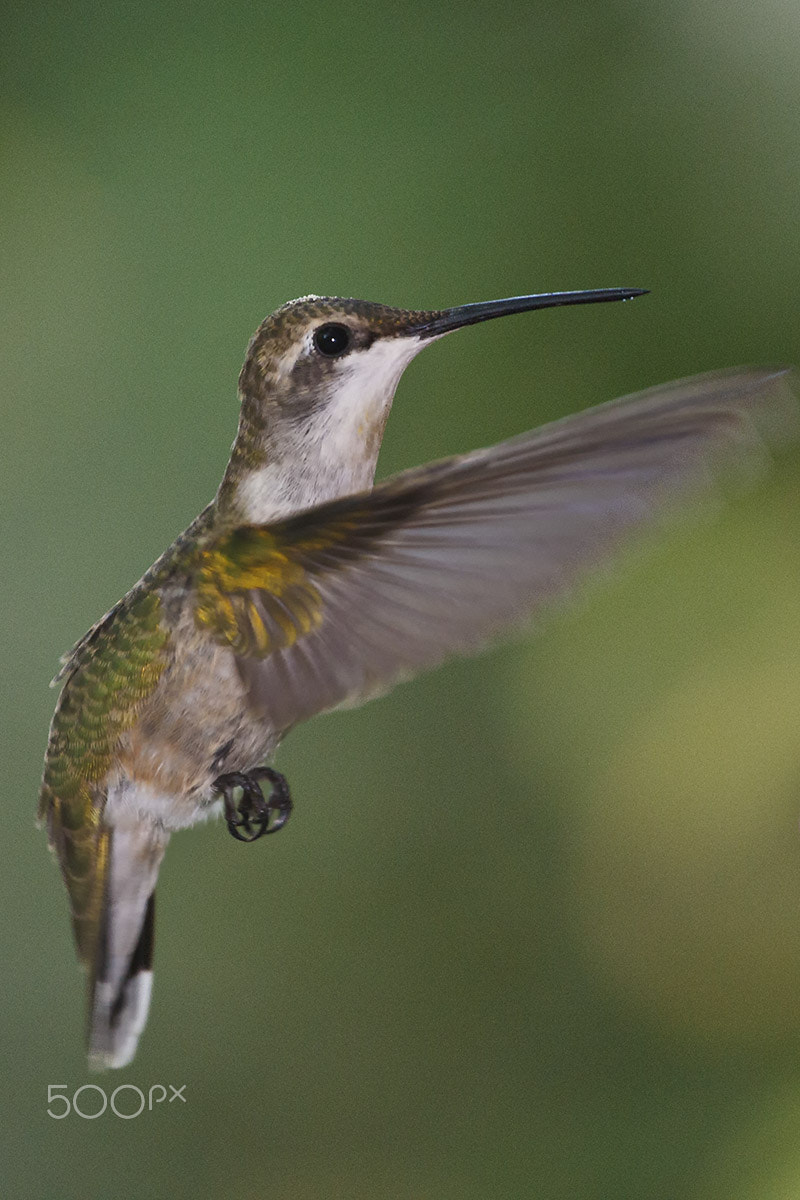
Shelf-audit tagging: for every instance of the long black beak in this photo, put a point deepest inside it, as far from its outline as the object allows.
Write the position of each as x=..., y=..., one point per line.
x=435, y=324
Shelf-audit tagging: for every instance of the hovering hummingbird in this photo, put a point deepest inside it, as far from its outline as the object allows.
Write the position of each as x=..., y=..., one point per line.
x=301, y=587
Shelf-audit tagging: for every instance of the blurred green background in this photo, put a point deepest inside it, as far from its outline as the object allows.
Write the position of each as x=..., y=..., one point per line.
x=533, y=930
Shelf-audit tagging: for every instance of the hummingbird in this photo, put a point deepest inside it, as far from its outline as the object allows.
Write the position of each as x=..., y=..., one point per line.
x=302, y=587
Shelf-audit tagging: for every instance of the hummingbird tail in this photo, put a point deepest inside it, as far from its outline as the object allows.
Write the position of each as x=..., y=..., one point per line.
x=122, y=978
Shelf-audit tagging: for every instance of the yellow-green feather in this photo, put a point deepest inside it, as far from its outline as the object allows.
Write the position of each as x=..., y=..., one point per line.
x=284, y=564
x=253, y=558
x=109, y=677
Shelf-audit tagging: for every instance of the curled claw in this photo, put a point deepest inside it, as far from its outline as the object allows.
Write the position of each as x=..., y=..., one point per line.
x=254, y=815
x=280, y=802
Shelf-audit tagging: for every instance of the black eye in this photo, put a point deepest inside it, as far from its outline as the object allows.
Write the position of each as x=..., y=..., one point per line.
x=332, y=340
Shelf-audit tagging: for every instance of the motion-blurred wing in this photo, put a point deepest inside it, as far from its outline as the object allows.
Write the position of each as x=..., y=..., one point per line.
x=341, y=601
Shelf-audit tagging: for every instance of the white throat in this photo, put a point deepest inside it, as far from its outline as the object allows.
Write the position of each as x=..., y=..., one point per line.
x=336, y=452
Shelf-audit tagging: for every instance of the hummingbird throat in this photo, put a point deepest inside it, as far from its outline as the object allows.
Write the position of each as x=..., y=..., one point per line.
x=317, y=442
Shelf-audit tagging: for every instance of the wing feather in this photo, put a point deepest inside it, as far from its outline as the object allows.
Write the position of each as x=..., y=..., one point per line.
x=437, y=560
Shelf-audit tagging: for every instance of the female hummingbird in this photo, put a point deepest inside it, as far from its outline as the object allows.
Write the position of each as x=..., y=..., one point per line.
x=302, y=587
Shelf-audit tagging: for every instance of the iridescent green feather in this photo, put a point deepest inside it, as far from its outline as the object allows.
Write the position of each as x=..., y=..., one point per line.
x=109, y=675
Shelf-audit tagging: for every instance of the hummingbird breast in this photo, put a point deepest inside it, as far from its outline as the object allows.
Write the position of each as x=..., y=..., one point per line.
x=195, y=725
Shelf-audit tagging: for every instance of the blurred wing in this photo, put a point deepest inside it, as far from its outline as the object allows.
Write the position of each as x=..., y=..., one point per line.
x=341, y=601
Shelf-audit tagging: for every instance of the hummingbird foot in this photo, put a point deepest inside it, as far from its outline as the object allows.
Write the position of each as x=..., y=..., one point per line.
x=254, y=815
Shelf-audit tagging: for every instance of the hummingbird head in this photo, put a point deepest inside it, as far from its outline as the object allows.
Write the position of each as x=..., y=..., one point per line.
x=328, y=358
x=316, y=388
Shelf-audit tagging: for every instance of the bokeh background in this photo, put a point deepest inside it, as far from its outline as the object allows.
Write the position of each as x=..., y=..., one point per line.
x=534, y=929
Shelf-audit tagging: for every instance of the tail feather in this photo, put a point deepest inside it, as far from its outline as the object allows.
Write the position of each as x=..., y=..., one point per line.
x=122, y=978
